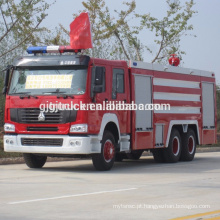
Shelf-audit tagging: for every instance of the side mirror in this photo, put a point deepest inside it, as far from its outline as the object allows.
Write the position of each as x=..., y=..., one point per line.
x=98, y=80
x=7, y=74
x=99, y=77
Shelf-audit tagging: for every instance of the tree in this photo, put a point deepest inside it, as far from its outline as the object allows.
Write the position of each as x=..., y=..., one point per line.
x=170, y=29
x=114, y=29
x=110, y=35
x=105, y=26
x=19, y=26
x=60, y=36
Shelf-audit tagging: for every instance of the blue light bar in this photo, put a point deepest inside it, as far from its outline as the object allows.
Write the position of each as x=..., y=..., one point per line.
x=51, y=49
x=32, y=50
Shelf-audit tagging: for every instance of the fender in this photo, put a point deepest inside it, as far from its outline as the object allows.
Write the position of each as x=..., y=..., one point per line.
x=185, y=124
x=124, y=140
x=108, y=117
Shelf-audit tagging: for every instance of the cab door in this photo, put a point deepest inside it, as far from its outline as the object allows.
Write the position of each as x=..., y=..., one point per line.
x=120, y=96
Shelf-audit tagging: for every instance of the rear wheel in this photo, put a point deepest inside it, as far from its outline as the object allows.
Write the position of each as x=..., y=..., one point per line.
x=105, y=160
x=34, y=161
x=173, y=151
x=188, y=146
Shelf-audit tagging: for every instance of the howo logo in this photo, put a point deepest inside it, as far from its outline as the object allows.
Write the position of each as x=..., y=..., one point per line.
x=41, y=116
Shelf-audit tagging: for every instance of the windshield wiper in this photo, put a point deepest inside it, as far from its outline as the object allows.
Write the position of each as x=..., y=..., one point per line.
x=24, y=95
x=65, y=96
x=19, y=93
x=59, y=94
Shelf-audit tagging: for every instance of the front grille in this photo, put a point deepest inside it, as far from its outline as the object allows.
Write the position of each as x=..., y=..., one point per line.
x=31, y=116
x=56, y=142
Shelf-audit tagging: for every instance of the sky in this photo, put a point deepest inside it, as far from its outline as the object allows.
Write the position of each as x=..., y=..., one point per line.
x=202, y=52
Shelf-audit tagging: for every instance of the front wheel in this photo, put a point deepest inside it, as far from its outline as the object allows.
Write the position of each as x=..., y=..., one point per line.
x=105, y=160
x=34, y=161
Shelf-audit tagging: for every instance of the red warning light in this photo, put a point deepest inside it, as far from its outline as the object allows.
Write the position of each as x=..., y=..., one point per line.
x=174, y=60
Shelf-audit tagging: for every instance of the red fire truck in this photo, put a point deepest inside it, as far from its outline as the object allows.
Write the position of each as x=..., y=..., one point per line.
x=105, y=135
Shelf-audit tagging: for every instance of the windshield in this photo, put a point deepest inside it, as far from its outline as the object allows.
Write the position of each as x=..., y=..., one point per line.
x=49, y=81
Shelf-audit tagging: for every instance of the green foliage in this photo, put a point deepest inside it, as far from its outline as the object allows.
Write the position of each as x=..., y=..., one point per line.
x=120, y=38
x=20, y=25
x=113, y=32
x=170, y=29
x=57, y=37
x=112, y=38
x=115, y=36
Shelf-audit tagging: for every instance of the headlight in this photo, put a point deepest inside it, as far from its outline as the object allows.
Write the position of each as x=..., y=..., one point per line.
x=9, y=127
x=81, y=128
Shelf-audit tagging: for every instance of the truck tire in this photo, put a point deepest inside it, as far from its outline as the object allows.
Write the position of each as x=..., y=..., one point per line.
x=34, y=161
x=135, y=155
x=158, y=155
x=188, y=146
x=173, y=151
x=105, y=160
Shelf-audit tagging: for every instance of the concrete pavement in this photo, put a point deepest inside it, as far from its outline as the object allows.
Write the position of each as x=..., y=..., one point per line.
x=131, y=190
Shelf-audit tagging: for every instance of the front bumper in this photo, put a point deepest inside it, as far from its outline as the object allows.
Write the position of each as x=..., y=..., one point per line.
x=86, y=144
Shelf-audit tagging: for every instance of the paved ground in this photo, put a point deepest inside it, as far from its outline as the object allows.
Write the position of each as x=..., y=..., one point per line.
x=17, y=160
x=131, y=190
